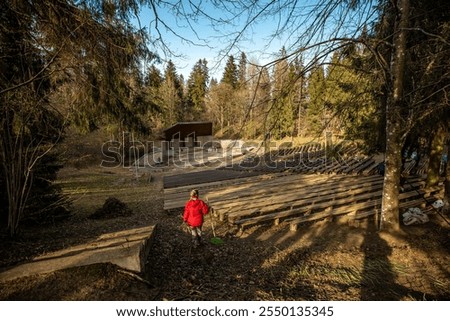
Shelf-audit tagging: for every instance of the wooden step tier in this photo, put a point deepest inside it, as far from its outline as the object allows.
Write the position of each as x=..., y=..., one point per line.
x=324, y=203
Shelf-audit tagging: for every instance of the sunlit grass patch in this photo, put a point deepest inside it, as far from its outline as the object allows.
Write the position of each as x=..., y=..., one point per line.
x=440, y=284
x=88, y=190
x=372, y=272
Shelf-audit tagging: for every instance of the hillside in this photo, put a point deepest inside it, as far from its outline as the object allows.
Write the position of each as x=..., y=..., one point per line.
x=324, y=260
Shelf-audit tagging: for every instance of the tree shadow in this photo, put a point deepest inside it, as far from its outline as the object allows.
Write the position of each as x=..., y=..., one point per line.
x=300, y=265
x=431, y=243
x=383, y=278
x=312, y=264
x=378, y=275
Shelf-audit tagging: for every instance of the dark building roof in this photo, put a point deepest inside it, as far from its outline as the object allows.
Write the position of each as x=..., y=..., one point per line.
x=188, y=129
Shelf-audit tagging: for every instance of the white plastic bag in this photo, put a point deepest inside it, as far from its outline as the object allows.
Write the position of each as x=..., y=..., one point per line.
x=414, y=215
x=438, y=204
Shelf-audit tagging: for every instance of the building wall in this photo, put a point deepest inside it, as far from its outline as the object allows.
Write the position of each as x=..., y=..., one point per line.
x=202, y=140
x=185, y=130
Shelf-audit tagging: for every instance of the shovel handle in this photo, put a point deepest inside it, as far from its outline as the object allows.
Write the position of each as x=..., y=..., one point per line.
x=212, y=227
x=211, y=218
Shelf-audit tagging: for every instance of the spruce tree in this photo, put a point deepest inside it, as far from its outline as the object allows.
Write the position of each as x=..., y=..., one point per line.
x=242, y=72
x=349, y=97
x=61, y=62
x=171, y=95
x=197, y=86
x=281, y=116
x=297, y=74
x=316, y=101
x=230, y=74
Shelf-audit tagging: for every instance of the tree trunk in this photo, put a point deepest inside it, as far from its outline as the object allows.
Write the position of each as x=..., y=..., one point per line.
x=394, y=122
x=446, y=209
x=393, y=165
x=436, y=150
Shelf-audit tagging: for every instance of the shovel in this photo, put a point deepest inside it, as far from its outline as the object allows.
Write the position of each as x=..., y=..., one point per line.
x=214, y=240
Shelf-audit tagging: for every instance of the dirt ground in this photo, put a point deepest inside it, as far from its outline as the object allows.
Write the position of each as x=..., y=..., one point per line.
x=321, y=261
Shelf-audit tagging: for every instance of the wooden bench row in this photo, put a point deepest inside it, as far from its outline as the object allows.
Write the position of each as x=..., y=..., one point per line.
x=337, y=166
x=173, y=197
x=251, y=199
x=364, y=209
x=222, y=191
x=338, y=203
x=310, y=164
x=298, y=150
x=311, y=194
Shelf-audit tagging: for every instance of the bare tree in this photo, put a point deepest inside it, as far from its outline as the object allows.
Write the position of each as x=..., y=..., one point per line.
x=315, y=30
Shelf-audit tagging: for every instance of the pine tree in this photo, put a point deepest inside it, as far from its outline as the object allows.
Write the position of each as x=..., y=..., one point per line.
x=172, y=96
x=281, y=116
x=242, y=72
x=61, y=61
x=153, y=78
x=315, y=105
x=297, y=73
x=197, y=86
x=153, y=98
x=350, y=96
x=230, y=74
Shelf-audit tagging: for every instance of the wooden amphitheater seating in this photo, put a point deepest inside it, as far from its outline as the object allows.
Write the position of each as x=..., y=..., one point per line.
x=330, y=190
x=176, y=197
x=301, y=185
x=368, y=207
x=340, y=202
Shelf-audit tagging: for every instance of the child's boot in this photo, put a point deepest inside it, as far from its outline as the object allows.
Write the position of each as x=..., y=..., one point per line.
x=195, y=242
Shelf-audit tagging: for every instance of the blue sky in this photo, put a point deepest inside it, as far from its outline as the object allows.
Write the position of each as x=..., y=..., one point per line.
x=212, y=40
x=209, y=43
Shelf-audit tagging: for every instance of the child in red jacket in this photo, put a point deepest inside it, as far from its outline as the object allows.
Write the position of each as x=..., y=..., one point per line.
x=194, y=211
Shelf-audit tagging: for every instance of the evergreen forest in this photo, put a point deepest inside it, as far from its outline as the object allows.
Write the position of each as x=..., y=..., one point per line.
x=83, y=66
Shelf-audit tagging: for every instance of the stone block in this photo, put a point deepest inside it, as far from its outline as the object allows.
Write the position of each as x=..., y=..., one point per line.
x=128, y=249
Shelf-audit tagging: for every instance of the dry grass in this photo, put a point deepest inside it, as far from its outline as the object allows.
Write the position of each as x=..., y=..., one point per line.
x=324, y=261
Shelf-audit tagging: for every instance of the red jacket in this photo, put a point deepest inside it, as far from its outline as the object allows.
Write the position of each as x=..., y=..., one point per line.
x=194, y=211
